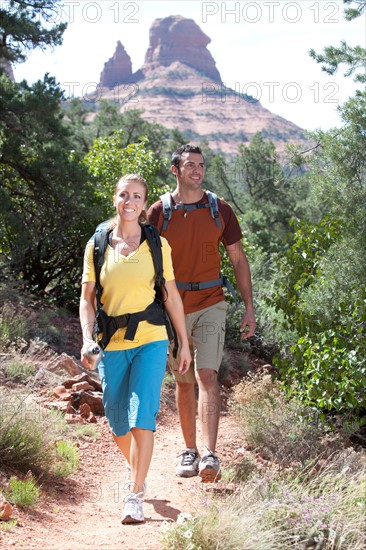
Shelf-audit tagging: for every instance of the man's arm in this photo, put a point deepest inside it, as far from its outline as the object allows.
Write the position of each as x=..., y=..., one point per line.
x=244, y=281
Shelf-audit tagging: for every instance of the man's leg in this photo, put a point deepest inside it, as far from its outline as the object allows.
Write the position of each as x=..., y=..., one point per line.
x=209, y=414
x=208, y=336
x=209, y=403
x=186, y=405
x=185, y=398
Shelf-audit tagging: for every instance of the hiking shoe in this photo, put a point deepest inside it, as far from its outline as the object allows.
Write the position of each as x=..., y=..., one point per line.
x=128, y=481
x=133, y=512
x=209, y=468
x=188, y=466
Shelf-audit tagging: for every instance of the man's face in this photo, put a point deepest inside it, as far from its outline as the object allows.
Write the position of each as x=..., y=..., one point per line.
x=191, y=170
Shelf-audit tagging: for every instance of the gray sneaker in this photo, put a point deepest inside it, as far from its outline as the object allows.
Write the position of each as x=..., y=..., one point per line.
x=133, y=512
x=188, y=466
x=209, y=468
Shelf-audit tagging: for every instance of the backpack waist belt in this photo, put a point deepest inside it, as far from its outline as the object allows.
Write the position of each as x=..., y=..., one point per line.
x=200, y=286
x=223, y=281
x=108, y=325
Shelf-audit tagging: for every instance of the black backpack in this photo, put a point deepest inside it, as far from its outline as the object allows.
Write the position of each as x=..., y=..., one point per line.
x=155, y=313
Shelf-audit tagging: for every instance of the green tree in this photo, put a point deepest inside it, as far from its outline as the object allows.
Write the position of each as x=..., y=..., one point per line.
x=44, y=207
x=321, y=283
x=352, y=57
x=323, y=362
x=109, y=159
x=44, y=210
x=264, y=193
x=76, y=117
x=26, y=25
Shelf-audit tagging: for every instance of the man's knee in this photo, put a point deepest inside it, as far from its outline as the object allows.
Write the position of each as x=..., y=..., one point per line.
x=206, y=377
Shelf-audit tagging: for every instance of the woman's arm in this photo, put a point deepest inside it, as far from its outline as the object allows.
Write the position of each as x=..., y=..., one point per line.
x=174, y=307
x=87, y=310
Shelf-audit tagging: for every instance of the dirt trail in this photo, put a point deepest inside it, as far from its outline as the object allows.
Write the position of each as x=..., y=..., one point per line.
x=84, y=511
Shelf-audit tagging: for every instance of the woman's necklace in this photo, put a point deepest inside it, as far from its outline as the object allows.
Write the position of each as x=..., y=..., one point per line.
x=125, y=243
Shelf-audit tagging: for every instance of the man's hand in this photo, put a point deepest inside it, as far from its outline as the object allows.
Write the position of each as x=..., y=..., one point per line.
x=248, y=326
x=184, y=359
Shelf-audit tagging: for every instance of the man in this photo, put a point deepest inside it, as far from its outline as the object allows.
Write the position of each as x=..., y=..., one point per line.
x=194, y=232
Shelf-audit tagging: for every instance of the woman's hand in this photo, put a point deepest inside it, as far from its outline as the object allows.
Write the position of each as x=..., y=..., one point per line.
x=83, y=356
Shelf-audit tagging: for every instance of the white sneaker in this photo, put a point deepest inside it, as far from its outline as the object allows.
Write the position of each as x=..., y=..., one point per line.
x=133, y=512
x=128, y=481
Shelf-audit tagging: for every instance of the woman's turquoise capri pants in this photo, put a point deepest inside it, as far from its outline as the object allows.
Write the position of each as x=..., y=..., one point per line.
x=131, y=381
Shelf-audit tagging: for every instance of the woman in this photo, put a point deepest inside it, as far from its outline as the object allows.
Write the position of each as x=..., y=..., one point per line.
x=132, y=372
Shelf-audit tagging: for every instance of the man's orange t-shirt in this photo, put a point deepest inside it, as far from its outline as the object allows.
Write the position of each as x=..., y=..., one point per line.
x=194, y=238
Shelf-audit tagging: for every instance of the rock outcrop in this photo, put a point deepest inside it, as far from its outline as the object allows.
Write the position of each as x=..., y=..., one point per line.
x=176, y=38
x=118, y=70
x=179, y=87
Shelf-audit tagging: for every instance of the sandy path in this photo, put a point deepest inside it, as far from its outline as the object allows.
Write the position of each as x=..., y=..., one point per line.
x=84, y=511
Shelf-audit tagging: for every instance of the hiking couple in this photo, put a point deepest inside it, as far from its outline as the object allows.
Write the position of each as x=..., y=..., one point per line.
x=192, y=223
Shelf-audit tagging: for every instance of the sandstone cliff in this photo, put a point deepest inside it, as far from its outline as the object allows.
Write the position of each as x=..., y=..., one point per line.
x=180, y=87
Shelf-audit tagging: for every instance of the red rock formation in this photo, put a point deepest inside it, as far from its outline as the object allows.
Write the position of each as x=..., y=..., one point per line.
x=176, y=38
x=179, y=87
x=118, y=69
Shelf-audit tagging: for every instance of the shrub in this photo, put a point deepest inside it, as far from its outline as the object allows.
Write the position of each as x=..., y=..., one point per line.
x=19, y=371
x=27, y=436
x=9, y=525
x=283, y=428
x=242, y=470
x=12, y=325
x=67, y=460
x=321, y=294
x=180, y=535
x=23, y=493
x=22, y=443
x=86, y=430
x=328, y=368
x=324, y=512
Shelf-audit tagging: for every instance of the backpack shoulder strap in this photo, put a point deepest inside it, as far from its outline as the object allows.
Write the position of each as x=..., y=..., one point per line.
x=166, y=199
x=101, y=237
x=214, y=208
x=153, y=238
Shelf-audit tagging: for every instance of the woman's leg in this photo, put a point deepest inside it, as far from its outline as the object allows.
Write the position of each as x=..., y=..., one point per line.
x=114, y=372
x=124, y=444
x=146, y=377
x=142, y=445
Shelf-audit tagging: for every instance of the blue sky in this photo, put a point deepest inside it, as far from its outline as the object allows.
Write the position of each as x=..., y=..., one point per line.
x=260, y=48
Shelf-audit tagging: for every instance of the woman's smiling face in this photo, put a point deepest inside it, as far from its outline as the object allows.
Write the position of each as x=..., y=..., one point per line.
x=130, y=199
